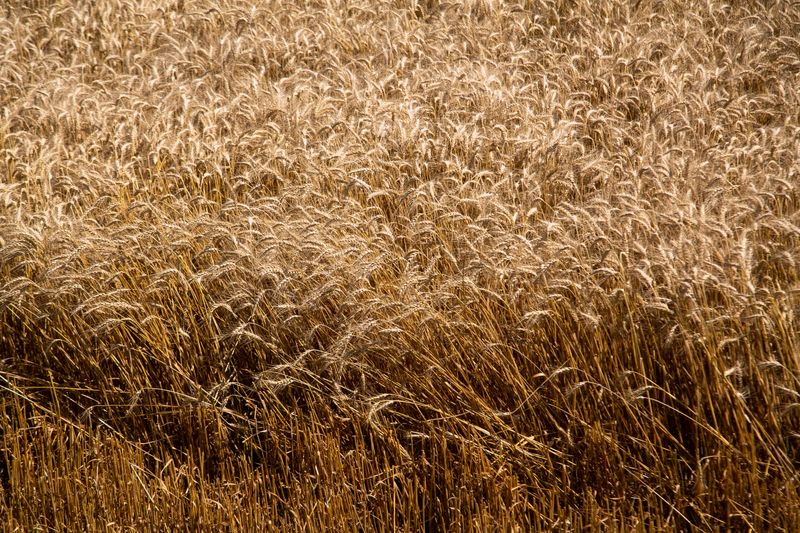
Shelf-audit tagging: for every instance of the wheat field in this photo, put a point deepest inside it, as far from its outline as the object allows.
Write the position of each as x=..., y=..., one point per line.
x=399, y=265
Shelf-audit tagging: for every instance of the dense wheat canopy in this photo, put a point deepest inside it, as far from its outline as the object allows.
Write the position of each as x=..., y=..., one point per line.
x=399, y=265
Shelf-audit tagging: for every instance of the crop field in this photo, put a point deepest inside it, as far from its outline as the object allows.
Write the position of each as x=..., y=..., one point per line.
x=399, y=265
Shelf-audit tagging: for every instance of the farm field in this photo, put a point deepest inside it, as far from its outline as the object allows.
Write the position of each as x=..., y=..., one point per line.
x=399, y=265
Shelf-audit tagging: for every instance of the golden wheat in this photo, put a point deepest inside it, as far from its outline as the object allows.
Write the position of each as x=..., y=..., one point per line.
x=399, y=265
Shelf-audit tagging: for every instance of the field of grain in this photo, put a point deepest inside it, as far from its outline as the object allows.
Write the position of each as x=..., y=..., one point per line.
x=399, y=265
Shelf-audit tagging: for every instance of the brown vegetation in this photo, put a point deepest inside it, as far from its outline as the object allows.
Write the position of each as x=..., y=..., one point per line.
x=399, y=265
